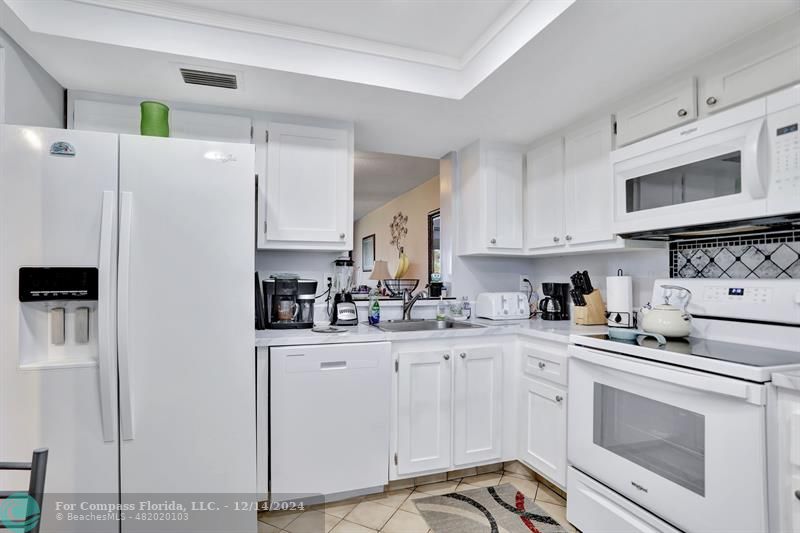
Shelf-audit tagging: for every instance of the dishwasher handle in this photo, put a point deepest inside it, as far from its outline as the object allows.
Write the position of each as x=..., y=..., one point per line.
x=333, y=365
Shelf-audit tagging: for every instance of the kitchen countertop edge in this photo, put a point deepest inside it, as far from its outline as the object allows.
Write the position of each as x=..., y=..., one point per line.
x=556, y=331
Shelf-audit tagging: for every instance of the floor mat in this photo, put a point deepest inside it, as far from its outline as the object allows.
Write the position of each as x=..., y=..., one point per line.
x=501, y=509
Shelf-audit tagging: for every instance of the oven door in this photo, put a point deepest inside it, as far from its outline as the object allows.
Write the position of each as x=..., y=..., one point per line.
x=685, y=445
x=704, y=173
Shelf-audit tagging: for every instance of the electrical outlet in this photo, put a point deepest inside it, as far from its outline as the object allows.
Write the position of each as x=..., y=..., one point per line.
x=523, y=285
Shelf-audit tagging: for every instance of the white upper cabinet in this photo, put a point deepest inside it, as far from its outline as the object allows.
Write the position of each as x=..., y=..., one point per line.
x=490, y=192
x=589, y=183
x=477, y=404
x=424, y=406
x=306, y=196
x=544, y=196
x=732, y=84
x=671, y=107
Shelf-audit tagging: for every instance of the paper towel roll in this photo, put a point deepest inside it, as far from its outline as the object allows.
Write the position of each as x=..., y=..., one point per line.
x=619, y=299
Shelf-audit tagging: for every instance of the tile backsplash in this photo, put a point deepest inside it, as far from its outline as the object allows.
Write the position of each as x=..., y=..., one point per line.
x=769, y=255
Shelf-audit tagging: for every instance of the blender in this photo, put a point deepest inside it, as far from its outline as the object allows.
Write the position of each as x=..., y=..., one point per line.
x=344, y=309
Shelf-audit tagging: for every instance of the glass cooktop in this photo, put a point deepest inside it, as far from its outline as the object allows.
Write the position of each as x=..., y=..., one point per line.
x=742, y=354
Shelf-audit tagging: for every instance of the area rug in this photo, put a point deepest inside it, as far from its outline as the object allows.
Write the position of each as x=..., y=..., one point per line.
x=501, y=509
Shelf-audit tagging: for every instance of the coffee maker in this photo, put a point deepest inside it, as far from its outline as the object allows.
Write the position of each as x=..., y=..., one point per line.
x=555, y=304
x=344, y=312
x=289, y=302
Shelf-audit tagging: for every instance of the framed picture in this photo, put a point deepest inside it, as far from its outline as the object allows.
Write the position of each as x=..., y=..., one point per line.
x=368, y=253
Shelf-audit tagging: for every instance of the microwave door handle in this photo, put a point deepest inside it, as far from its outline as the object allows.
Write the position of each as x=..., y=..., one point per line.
x=754, y=160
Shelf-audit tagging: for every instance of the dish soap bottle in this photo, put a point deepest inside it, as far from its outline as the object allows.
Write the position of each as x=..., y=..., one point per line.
x=441, y=309
x=374, y=316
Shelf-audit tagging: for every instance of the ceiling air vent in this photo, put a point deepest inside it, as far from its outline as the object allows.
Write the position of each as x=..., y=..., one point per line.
x=209, y=79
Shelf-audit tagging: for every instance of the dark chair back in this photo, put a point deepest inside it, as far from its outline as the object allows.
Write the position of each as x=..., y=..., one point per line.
x=38, y=469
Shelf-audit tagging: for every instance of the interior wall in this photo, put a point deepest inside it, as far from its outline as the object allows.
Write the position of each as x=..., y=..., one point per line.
x=307, y=265
x=30, y=96
x=416, y=204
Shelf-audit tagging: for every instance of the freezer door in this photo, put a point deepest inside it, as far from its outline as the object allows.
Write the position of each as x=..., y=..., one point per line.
x=58, y=208
x=185, y=313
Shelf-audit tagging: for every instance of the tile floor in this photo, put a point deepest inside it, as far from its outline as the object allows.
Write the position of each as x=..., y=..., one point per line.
x=394, y=511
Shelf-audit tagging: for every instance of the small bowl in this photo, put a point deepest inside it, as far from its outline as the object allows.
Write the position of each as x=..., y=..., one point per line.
x=627, y=334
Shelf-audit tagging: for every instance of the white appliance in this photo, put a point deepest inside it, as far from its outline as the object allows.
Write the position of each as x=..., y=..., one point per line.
x=158, y=396
x=785, y=452
x=337, y=392
x=739, y=164
x=679, y=431
x=502, y=306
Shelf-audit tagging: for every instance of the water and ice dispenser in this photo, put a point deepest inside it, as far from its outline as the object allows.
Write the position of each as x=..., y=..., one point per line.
x=58, y=314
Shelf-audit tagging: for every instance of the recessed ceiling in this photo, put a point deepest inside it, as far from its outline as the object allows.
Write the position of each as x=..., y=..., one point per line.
x=590, y=57
x=449, y=28
x=393, y=44
x=380, y=178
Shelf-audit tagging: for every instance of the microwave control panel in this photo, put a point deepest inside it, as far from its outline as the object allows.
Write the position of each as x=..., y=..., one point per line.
x=784, y=142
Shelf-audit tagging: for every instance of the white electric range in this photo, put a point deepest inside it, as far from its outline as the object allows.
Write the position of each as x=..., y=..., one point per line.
x=674, y=437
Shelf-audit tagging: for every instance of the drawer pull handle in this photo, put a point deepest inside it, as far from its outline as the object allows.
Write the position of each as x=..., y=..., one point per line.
x=542, y=365
x=333, y=365
x=559, y=399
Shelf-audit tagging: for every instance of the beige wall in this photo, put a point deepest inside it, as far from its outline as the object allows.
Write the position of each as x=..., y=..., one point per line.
x=416, y=204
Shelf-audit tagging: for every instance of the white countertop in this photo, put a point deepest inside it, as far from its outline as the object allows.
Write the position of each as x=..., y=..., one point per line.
x=552, y=330
x=787, y=380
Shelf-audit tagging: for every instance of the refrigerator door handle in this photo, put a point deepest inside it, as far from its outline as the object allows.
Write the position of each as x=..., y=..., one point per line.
x=123, y=301
x=105, y=330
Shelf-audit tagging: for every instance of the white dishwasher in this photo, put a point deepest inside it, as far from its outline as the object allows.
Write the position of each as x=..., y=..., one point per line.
x=329, y=419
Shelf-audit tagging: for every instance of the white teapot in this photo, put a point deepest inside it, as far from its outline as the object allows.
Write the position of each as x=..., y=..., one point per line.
x=666, y=319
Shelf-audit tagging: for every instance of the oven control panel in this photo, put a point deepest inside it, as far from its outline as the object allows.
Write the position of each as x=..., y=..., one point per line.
x=753, y=295
x=763, y=300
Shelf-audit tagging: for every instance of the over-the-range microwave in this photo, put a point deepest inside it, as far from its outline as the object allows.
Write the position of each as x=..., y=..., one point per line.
x=739, y=164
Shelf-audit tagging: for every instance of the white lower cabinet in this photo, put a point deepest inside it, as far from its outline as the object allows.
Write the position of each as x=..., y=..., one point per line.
x=478, y=405
x=424, y=400
x=544, y=431
x=449, y=407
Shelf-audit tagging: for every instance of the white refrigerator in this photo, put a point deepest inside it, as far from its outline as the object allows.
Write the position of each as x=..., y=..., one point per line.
x=147, y=386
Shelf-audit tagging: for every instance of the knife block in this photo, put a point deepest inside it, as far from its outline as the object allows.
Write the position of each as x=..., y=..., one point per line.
x=593, y=313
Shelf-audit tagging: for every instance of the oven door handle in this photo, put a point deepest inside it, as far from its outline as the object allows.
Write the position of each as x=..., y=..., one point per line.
x=690, y=379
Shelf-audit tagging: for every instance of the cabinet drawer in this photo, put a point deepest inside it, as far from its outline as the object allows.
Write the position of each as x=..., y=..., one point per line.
x=545, y=362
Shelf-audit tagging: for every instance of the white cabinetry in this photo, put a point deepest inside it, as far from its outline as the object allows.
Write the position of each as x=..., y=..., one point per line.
x=424, y=406
x=732, y=84
x=306, y=195
x=449, y=405
x=589, y=183
x=543, y=408
x=477, y=405
x=669, y=108
x=544, y=196
x=490, y=199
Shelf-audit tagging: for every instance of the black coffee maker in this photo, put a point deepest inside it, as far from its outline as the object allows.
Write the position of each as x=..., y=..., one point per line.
x=289, y=302
x=555, y=304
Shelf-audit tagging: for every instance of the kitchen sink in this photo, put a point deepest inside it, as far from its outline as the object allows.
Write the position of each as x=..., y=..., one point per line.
x=424, y=325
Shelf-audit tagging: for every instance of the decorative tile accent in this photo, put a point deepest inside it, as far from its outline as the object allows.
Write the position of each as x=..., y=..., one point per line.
x=767, y=255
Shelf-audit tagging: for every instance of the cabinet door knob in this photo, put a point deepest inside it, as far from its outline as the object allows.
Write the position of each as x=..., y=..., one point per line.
x=682, y=112
x=463, y=355
x=797, y=494
x=559, y=399
x=568, y=237
x=341, y=235
x=493, y=241
x=446, y=357
x=556, y=239
x=542, y=365
x=711, y=100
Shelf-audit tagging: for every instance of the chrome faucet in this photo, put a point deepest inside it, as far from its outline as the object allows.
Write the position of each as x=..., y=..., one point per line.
x=408, y=303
